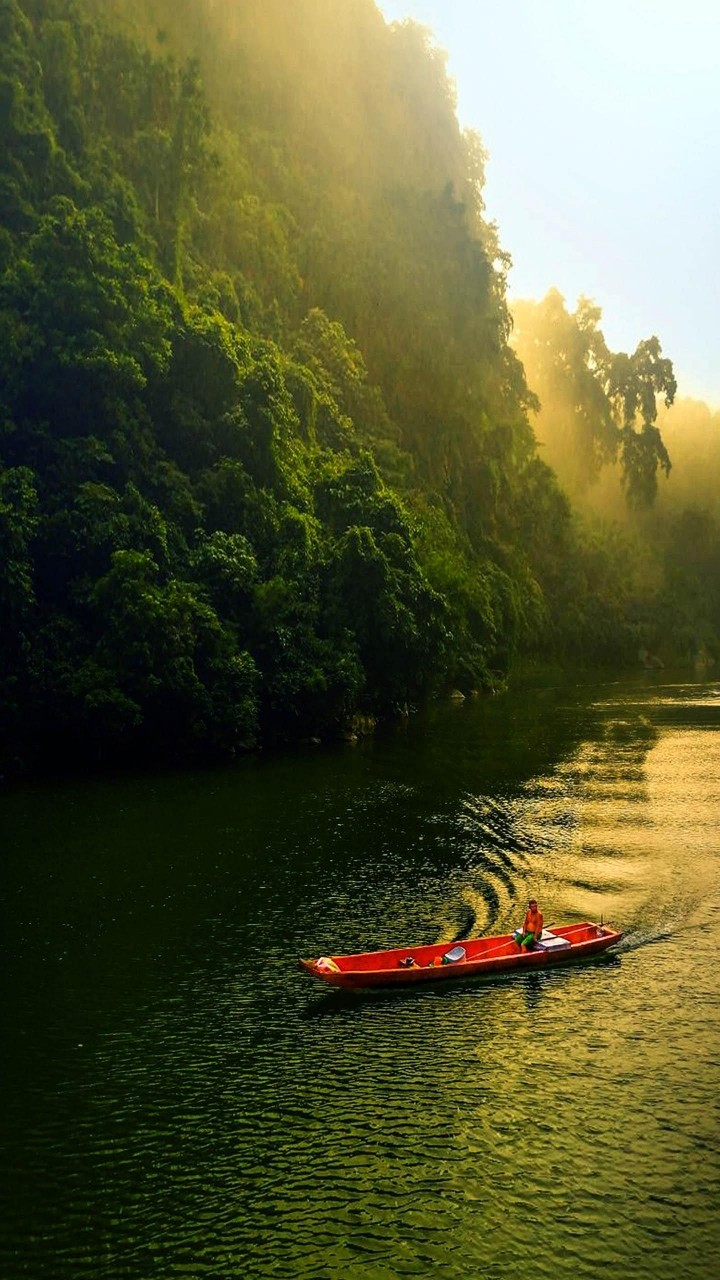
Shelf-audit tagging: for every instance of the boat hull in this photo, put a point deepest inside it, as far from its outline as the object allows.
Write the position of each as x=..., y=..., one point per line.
x=407, y=966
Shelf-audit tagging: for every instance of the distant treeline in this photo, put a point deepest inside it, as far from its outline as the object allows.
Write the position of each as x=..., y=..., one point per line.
x=267, y=453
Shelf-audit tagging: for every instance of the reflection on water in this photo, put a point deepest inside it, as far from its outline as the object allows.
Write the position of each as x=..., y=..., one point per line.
x=183, y=1102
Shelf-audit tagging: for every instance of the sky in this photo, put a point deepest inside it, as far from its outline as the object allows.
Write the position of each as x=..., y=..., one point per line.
x=602, y=123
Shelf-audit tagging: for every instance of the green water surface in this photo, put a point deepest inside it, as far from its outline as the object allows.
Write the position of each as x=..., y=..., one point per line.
x=180, y=1101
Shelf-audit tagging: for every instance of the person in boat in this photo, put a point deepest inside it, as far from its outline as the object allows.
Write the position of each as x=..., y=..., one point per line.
x=531, y=931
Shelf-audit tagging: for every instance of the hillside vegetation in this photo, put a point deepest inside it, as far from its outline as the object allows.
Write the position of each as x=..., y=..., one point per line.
x=266, y=454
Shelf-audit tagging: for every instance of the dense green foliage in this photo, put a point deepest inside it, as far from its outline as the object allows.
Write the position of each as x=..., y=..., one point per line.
x=265, y=454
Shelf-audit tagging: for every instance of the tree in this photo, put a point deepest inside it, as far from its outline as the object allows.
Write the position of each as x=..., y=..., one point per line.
x=163, y=664
x=85, y=324
x=597, y=407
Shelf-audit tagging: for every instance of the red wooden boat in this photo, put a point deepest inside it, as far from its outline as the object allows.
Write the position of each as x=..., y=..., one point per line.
x=403, y=966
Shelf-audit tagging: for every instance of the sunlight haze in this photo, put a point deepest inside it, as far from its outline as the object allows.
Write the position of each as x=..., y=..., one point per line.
x=602, y=127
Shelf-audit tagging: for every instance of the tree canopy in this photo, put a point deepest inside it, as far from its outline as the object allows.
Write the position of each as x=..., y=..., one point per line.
x=268, y=458
x=597, y=406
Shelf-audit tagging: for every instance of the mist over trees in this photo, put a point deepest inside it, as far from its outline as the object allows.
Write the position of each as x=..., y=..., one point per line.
x=642, y=467
x=269, y=460
x=596, y=406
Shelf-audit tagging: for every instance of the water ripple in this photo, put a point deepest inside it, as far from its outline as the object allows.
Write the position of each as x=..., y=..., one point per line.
x=185, y=1104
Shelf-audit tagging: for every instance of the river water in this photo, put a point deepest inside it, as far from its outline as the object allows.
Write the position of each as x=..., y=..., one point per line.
x=180, y=1101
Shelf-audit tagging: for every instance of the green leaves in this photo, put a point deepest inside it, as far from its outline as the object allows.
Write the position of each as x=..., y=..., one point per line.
x=18, y=523
x=87, y=321
x=265, y=457
x=163, y=657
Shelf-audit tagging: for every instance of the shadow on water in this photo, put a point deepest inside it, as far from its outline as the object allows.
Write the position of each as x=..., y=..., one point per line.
x=467, y=928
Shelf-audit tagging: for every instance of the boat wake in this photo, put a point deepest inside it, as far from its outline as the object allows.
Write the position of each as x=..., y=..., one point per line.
x=636, y=938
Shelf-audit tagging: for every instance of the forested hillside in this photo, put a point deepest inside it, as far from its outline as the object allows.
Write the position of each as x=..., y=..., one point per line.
x=266, y=456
